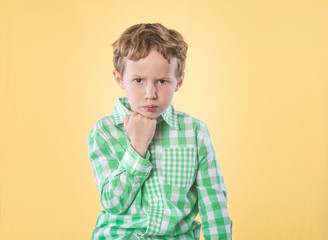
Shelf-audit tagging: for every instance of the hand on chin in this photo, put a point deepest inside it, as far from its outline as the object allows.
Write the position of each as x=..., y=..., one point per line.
x=147, y=114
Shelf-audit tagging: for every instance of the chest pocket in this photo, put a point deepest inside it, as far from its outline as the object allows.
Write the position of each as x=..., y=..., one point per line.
x=179, y=166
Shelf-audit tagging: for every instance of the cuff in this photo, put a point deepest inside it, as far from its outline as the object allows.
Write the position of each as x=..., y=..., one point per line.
x=134, y=164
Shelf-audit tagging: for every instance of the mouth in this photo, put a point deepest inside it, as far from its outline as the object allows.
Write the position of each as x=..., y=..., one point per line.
x=150, y=108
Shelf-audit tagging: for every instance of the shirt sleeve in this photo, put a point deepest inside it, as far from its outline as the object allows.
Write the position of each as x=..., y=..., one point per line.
x=119, y=177
x=211, y=190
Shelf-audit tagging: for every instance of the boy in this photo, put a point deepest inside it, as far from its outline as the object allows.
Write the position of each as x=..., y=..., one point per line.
x=155, y=167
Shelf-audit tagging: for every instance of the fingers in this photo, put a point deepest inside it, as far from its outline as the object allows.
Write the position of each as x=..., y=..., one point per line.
x=135, y=115
x=139, y=115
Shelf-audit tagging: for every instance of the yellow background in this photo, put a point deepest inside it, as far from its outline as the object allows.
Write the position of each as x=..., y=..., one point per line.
x=256, y=74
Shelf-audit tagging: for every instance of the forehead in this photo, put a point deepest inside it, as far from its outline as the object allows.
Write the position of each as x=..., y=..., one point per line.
x=153, y=65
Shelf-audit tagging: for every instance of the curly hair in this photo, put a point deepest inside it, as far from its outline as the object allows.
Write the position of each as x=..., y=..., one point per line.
x=136, y=42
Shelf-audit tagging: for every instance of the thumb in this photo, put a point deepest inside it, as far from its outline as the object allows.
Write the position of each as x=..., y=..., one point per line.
x=126, y=119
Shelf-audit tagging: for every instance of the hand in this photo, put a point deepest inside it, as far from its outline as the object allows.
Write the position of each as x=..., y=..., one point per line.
x=141, y=131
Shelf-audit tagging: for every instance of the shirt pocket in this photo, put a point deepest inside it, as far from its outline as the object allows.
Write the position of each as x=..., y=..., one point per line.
x=179, y=166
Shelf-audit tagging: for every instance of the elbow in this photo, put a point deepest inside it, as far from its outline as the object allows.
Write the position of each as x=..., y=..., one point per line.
x=113, y=204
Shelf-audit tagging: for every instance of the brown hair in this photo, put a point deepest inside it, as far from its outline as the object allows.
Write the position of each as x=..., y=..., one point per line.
x=136, y=42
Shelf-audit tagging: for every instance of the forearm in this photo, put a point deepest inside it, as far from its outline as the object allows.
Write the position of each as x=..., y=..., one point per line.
x=212, y=194
x=140, y=148
x=119, y=189
x=216, y=223
x=119, y=172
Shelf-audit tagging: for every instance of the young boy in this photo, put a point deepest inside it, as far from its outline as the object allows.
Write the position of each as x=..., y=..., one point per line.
x=155, y=167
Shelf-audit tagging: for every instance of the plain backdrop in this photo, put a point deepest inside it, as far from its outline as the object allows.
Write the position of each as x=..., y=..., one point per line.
x=256, y=74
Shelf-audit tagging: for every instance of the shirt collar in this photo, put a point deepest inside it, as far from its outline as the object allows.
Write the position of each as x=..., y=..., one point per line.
x=122, y=108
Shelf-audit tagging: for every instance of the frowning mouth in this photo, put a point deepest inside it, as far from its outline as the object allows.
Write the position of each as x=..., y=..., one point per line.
x=151, y=108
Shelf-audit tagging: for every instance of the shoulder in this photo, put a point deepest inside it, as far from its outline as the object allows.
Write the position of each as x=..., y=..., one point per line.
x=186, y=120
x=102, y=126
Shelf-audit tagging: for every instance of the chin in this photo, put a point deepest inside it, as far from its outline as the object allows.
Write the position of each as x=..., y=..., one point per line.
x=151, y=115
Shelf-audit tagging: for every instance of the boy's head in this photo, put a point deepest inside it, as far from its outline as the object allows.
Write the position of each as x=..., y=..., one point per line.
x=149, y=61
x=136, y=42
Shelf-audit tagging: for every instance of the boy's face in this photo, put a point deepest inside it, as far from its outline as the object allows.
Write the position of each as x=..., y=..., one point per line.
x=149, y=84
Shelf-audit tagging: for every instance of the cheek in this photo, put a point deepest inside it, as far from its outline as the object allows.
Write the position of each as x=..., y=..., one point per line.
x=133, y=95
x=167, y=96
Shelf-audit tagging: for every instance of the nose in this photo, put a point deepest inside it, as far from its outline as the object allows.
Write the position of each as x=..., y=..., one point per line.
x=151, y=92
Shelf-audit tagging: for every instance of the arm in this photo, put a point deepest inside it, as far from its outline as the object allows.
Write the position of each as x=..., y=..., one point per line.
x=212, y=194
x=119, y=176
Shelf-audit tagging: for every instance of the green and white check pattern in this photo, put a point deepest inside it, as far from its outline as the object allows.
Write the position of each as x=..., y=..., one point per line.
x=159, y=196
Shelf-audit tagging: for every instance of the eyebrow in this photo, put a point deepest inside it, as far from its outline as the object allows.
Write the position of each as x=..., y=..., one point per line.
x=135, y=75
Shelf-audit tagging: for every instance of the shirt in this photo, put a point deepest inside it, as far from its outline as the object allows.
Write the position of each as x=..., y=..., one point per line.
x=158, y=196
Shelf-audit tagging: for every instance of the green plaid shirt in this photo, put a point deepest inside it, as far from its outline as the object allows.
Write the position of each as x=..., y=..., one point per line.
x=159, y=196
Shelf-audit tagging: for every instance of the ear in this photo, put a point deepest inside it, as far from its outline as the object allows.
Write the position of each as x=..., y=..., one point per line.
x=118, y=79
x=180, y=81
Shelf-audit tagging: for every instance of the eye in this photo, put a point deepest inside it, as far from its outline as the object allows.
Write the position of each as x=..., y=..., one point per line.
x=161, y=81
x=138, y=80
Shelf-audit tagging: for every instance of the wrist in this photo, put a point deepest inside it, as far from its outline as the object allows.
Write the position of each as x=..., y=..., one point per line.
x=141, y=149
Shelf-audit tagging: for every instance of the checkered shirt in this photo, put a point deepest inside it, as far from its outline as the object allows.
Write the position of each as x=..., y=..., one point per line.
x=158, y=196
